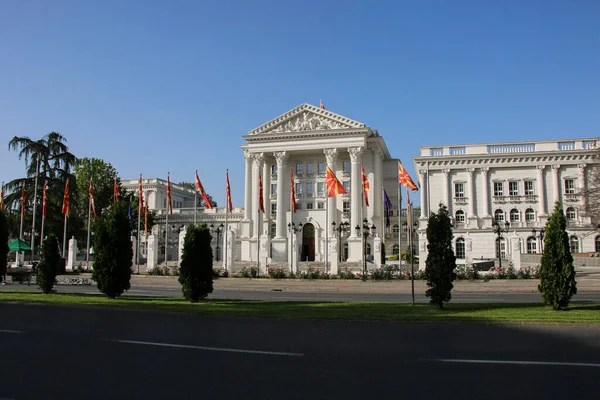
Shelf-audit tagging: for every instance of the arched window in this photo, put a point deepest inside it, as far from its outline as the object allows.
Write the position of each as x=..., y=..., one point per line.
x=570, y=214
x=345, y=256
x=460, y=249
x=404, y=226
x=529, y=215
x=532, y=245
x=273, y=230
x=500, y=247
x=514, y=215
x=597, y=244
x=395, y=250
x=460, y=216
x=368, y=249
x=499, y=215
x=396, y=230
x=575, y=244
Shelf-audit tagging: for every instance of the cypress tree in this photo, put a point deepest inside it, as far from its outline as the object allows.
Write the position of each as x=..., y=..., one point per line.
x=112, y=251
x=441, y=261
x=557, y=272
x=196, y=274
x=48, y=266
x=3, y=244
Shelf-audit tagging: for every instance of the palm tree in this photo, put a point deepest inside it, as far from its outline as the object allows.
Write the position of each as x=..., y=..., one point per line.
x=55, y=165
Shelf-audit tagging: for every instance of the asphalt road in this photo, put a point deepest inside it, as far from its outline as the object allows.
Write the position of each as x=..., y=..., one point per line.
x=321, y=296
x=52, y=352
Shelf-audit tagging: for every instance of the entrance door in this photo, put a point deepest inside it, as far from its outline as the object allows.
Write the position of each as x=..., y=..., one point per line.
x=308, y=242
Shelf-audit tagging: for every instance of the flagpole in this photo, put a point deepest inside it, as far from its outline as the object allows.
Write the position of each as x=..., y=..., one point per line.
x=22, y=217
x=42, y=231
x=137, y=251
x=291, y=230
x=227, y=195
x=166, y=231
x=412, y=257
x=196, y=203
x=37, y=172
x=258, y=227
x=326, y=247
x=64, y=246
x=400, y=225
x=87, y=251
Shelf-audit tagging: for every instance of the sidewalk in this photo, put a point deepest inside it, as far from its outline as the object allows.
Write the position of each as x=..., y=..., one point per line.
x=358, y=286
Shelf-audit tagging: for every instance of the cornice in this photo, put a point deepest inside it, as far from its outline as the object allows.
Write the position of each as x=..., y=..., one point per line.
x=287, y=136
x=504, y=160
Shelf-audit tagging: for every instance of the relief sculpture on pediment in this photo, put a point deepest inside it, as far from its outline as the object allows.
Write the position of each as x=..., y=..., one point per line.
x=307, y=122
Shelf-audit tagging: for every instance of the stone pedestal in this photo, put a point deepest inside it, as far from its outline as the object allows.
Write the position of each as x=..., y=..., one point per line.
x=293, y=253
x=279, y=247
x=355, y=249
x=152, y=253
x=468, y=248
x=515, y=254
x=263, y=255
x=377, y=251
x=71, y=254
x=473, y=222
x=229, y=254
x=180, y=248
x=333, y=256
x=486, y=222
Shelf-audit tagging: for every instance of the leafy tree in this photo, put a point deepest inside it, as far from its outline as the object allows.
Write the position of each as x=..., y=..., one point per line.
x=102, y=175
x=3, y=244
x=557, y=273
x=134, y=215
x=55, y=165
x=196, y=264
x=112, y=251
x=199, y=199
x=48, y=266
x=441, y=261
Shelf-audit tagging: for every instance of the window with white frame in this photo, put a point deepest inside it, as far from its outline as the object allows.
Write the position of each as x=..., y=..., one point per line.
x=309, y=189
x=459, y=189
x=500, y=247
x=346, y=167
x=531, y=245
x=274, y=169
x=310, y=205
x=460, y=249
x=320, y=205
x=499, y=215
x=569, y=186
x=498, y=189
x=574, y=241
x=597, y=244
x=299, y=192
x=273, y=208
x=273, y=189
x=396, y=230
x=570, y=214
x=514, y=215
x=404, y=212
x=346, y=206
x=298, y=205
x=310, y=169
x=320, y=189
x=321, y=168
x=529, y=215
x=529, y=188
x=346, y=185
x=273, y=230
x=299, y=169
x=513, y=188
x=460, y=216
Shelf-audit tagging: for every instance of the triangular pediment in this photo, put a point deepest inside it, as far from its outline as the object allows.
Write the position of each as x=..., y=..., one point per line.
x=307, y=117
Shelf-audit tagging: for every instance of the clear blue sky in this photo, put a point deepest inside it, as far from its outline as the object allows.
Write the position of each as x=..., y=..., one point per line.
x=155, y=86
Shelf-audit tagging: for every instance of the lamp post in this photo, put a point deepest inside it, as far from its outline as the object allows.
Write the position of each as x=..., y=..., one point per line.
x=218, y=230
x=413, y=232
x=499, y=230
x=539, y=235
x=292, y=229
x=340, y=231
x=367, y=230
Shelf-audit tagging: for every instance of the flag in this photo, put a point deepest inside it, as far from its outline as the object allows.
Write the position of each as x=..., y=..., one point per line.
x=321, y=104
x=365, y=183
x=200, y=188
x=115, y=191
x=145, y=219
x=261, y=202
x=293, y=190
x=141, y=202
x=91, y=193
x=387, y=206
x=169, y=200
x=408, y=211
x=23, y=199
x=2, y=198
x=404, y=179
x=229, y=206
x=65, y=204
x=44, y=197
x=334, y=186
x=130, y=215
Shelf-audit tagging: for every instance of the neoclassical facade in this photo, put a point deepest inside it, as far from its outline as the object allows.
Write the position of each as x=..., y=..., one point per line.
x=517, y=183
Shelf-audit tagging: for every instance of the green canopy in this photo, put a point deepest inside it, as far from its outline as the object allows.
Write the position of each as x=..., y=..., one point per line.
x=18, y=245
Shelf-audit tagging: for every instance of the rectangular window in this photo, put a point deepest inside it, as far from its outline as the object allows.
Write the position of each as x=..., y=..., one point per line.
x=274, y=169
x=299, y=192
x=309, y=189
x=459, y=190
x=274, y=189
x=310, y=206
x=310, y=170
x=321, y=205
x=346, y=206
x=569, y=186
x=273, y=208
x=529, y=188
x=321, y=168
x=346, y=167
x=298, y=206
x=513, y=188
x=299, y=169
x=346, y=185
x=404, y=212
x=498, y=189
x=321, y=189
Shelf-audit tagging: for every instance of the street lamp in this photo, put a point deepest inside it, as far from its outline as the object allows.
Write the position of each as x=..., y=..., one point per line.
x=367, y=230
x=340, y=231
x=218, y=230
x=498, y=230
x=293, y=230
x=535, y=234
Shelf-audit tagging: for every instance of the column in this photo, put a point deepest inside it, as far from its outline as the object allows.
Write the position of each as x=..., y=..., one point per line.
x=446, y=184
x=355, y=188
x=281, y=158
x=471, y=183
x=555, y=170
x=486, y=191
x=248, y=186
x=582, y=187
x=258, y=162
x=541, y=190
x=331, y=157
x=377, y=186
x=423, y=174
x=267, y=195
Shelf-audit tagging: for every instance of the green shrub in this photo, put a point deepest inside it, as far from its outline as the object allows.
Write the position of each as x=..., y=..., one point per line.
x=276, y=273
x=315, y=273
x=196, y=264
x=346, y=274
x=248, y=272
x=48, y=266
x=3, y=244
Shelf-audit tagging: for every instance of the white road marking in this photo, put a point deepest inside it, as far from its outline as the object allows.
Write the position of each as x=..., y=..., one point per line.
x=223, y=349
x=518, y=362
x=9, y=331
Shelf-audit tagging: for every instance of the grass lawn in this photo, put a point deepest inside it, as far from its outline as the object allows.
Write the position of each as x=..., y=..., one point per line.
x=481, y=312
